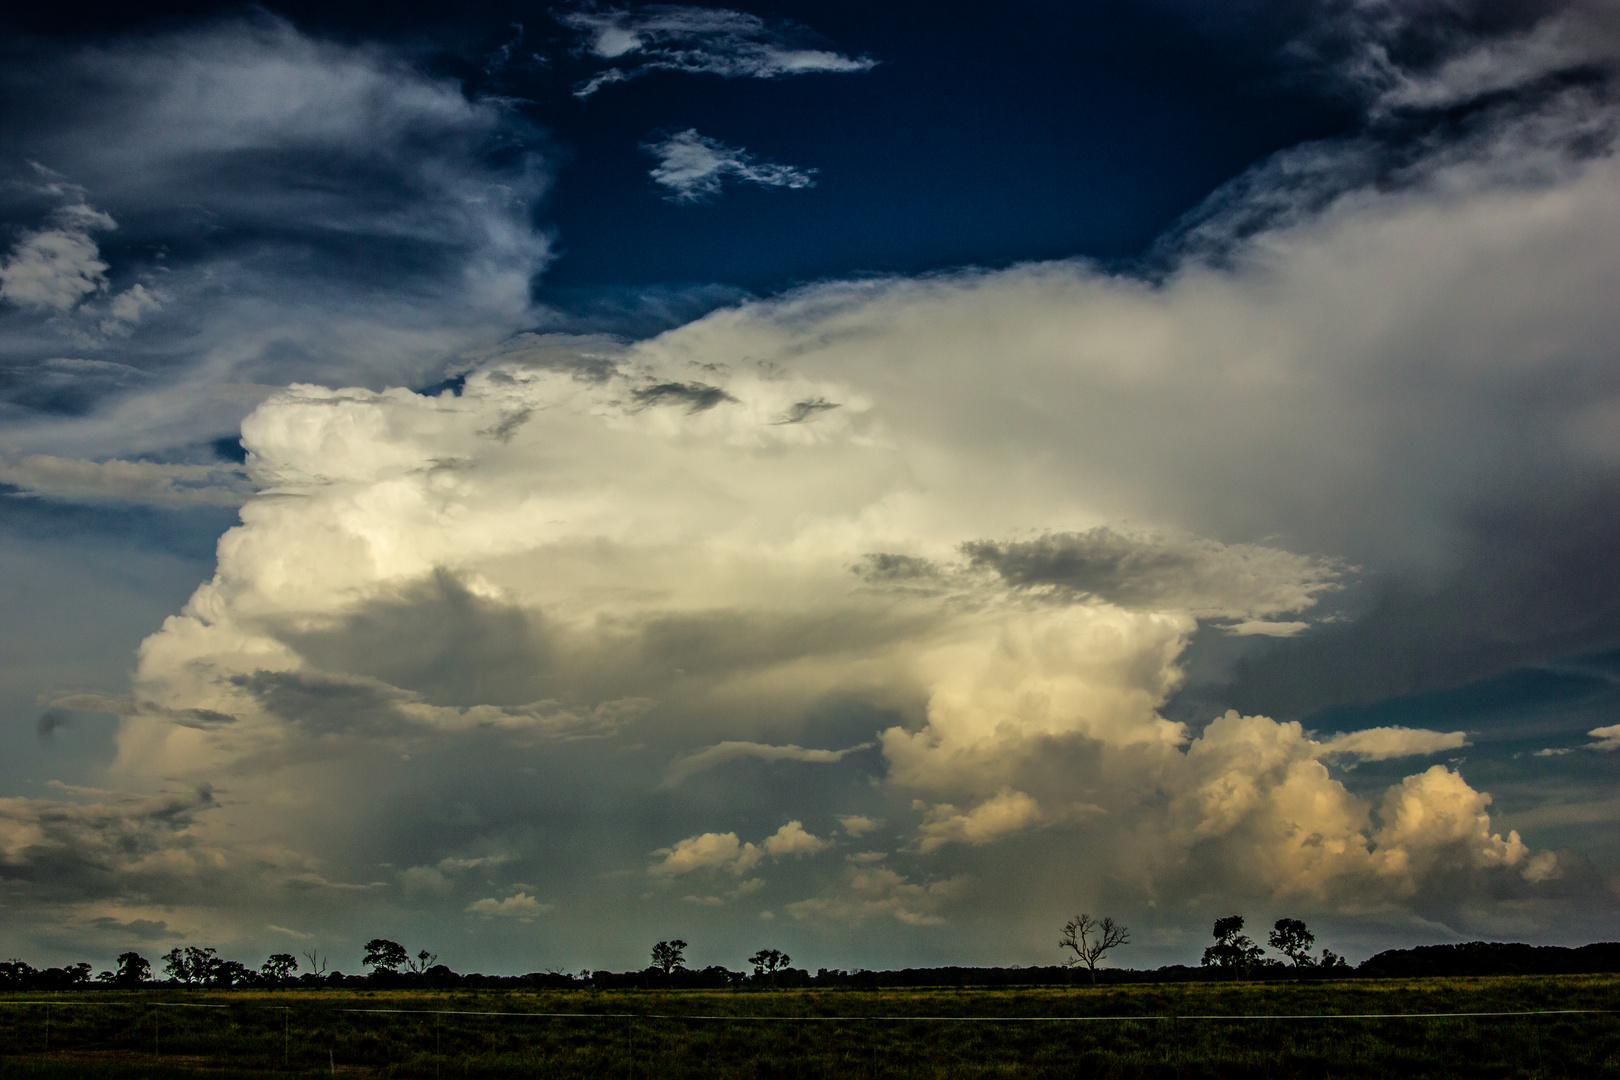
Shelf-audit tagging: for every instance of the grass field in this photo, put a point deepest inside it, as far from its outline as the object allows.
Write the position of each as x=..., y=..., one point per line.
x=1172, y=1031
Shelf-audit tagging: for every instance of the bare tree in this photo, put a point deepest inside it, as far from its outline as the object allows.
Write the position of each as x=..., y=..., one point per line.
x=317, y=963
x=669, y=956
x=423, y=961
x=1090, y=939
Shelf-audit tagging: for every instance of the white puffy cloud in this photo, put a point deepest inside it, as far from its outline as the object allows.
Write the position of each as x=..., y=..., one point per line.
x=723, y=851
x=792, y=839
x=1001, y=815
x=697, y=40
x=858, y=824
x=692, y=167
x=54, y=268
x=709, y=851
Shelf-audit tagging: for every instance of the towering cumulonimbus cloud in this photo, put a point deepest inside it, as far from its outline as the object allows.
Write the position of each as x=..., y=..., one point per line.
x=937, y=553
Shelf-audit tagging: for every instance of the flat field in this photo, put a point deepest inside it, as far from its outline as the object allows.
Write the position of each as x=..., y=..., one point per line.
x=1345, y=1029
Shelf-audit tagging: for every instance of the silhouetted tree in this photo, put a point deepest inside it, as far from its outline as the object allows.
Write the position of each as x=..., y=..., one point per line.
x=1294, y=940
x=1090, y=939
x=228, y=973
x=384, y=956
x=769, y=962
x=191, y=965
x=669, y=956
x=1233, y=949
x=1331, y=959
x=279, y=968
x=16, y=975
x=423, y=961
x=133, y=970
x=317, y=963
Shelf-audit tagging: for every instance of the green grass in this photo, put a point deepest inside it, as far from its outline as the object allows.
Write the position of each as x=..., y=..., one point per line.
x=1154, y=1031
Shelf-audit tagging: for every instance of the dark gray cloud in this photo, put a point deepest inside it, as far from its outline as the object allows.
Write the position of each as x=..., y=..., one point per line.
x=1159, y=572
x=1534, y=584
x=695, y=396
x=76, y=850
x=803, y=411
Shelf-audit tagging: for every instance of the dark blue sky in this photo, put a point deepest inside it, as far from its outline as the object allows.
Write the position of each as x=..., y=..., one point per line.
x=1035, y=130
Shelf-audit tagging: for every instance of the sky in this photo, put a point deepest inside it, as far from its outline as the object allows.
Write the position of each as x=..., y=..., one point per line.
x=873, y=481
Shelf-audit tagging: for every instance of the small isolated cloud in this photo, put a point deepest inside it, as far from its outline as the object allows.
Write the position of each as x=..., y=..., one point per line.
x=858, y=824
x=695, y=40
x=1383, y=743
x=522, y=907
x=130, y=306
x=710, y=756
x=692, y=166
x=724, y=851
x=707, y=851
x=1005, y=813
x=1608, y=738
x=55, y=267
x=791, y=839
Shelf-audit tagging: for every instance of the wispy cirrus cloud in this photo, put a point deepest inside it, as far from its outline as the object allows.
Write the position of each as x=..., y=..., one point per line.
x=698, y=40
x=691, y=168
x=688, y=765
x=285, y=207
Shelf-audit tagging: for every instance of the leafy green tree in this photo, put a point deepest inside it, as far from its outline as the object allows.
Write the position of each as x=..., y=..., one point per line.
x=1233, y=949
x=1090, y=939
x=1294, y=940
x=384, y=956
x=669, y=956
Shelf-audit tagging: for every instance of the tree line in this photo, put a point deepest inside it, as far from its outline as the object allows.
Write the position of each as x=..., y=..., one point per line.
x=1232, y=955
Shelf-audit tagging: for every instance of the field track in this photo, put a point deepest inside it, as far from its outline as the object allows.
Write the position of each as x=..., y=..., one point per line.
x=1531, y=1026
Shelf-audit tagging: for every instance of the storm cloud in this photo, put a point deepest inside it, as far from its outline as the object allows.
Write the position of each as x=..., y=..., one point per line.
x=873, y=607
